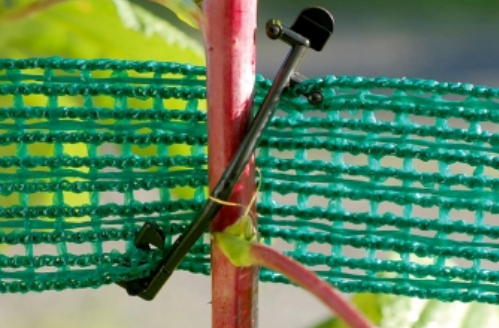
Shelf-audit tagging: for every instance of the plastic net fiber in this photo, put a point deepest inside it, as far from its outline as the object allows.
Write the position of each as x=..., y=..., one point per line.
x=387, y=186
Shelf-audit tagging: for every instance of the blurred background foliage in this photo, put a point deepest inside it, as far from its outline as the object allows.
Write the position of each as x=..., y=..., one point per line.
x=447, y=40
x=92, y=29
x=88, y=29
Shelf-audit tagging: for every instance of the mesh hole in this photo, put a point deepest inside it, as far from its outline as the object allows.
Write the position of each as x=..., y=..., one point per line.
x=428, y=235
x=282, y=246
x=352, y=252
x=385, y=115
x=283, y=154
x=385, y=208
x=355, y=206
x=350, y=114
x=355, y=227
x=391, y=161
x=137, y=103
x=355, y=159
x=460, y=237
x=13, y=250
x=467, y=216
x=146, y=195
x=385, y=255
x=318, y=201
x=490, y=219
x=289, y=199
x=315, y=154
x=457, y=123
x=461, y=168
x=422, y=120
x=112, y=197
x=454, y=97
x=110, y=246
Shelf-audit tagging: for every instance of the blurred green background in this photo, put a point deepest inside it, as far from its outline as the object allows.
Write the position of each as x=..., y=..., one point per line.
x=444, y=40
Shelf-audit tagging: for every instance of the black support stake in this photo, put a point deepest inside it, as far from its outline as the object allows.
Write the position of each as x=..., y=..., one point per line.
x=312, y=29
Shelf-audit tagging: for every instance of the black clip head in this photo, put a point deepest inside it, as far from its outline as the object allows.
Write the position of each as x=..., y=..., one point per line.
x=274, y=29
x=316, y=24
x=149, y=235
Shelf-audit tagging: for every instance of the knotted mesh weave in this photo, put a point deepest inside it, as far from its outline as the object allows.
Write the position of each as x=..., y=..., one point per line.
x=387, y=186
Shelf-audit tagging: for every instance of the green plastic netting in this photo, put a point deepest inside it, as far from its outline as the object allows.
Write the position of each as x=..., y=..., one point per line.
x=384, y=172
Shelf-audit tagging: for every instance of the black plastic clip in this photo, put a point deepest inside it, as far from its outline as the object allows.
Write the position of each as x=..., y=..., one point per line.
x=314, y=97
x=315, y=24
x=149, y=235
x=312, y=29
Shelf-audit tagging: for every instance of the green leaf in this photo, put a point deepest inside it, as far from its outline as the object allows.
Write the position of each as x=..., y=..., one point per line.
x=235, y=248
x=438, y=314
x=391, y=311
x=189, y=11
x=236, y=240
x=368, y=304
x=126, y=12
x=481, y=315
x=141, y=20
x=399, y=311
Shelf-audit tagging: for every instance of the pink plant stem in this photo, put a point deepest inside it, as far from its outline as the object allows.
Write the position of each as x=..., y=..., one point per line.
x=296, y=273
x=229, y=35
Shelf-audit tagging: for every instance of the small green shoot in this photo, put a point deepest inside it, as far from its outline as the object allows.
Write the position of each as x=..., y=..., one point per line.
x=240, y=245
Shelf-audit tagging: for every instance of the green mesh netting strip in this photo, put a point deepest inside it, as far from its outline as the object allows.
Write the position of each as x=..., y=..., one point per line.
x=388, y=186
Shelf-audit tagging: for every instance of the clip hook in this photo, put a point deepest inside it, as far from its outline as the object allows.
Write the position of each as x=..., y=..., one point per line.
x=312, y=29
